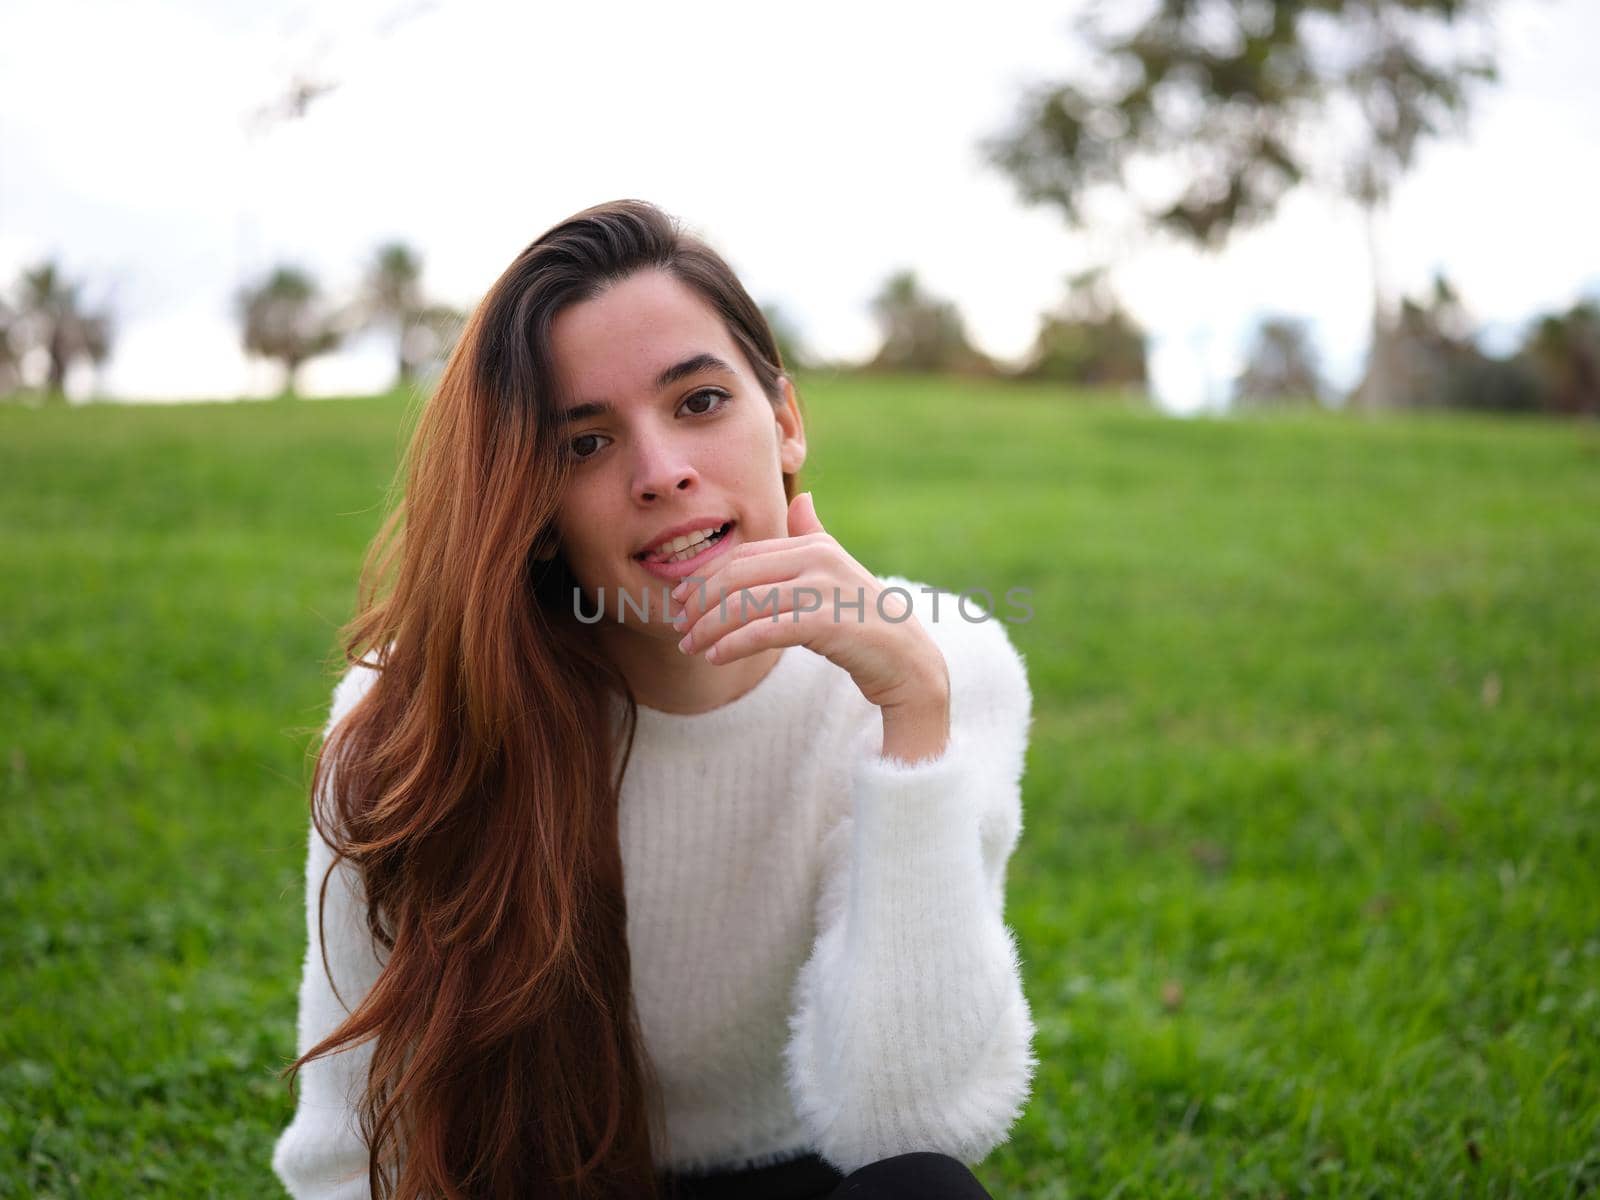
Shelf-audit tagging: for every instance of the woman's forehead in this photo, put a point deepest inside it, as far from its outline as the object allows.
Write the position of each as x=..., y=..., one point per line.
x=635, y=337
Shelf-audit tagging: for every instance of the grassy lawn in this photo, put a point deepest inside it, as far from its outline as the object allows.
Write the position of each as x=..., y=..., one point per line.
x=1313, y=780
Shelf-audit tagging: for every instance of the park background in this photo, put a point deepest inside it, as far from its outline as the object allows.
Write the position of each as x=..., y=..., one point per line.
x=1302, y=894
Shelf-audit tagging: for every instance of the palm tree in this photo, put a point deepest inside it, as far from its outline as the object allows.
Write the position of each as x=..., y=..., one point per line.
x=284, y=319
x=51, y=314
x=392, y=298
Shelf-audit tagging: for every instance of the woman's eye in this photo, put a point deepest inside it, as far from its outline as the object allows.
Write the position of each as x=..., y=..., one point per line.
x=708, y=393
x=572, y=447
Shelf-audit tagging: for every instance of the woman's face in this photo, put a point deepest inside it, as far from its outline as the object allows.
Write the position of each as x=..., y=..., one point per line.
x=687, y=436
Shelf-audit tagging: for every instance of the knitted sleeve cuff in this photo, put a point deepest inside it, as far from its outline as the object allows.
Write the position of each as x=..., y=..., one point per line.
x=912, y=1031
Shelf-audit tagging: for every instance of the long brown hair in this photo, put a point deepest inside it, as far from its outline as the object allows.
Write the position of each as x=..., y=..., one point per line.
x=477, y=780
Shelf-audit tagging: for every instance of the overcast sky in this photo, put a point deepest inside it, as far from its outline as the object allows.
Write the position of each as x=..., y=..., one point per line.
x=817, y=148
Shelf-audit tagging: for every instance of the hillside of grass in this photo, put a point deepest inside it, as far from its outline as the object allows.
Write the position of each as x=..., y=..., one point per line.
x=1306, y=892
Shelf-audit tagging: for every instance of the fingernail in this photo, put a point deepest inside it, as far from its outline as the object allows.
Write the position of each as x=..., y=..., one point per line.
x=684, y=644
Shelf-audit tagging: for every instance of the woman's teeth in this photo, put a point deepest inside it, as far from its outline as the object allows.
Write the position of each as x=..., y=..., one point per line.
x=688, y=545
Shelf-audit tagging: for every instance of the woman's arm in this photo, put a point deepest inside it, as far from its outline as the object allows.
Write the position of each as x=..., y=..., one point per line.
x=321, y=1155
x=910, y=1028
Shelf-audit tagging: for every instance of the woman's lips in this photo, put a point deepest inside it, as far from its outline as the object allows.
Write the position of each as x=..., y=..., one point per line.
x=677, y=570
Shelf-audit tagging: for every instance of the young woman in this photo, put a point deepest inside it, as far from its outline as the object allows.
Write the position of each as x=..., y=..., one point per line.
x=657, y=846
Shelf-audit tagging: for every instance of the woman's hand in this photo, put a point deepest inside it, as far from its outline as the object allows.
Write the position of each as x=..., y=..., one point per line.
x=814, y=586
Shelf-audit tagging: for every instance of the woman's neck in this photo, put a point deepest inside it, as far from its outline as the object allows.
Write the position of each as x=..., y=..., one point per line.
x=664, y=678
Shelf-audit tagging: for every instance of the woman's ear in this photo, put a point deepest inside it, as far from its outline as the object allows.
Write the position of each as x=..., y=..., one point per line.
x=791, y=429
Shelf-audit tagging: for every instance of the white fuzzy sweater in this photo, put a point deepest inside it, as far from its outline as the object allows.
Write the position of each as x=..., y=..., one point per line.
x=820, y=956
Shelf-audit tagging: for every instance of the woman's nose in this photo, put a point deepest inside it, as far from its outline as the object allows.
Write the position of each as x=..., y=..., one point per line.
x=661, y=468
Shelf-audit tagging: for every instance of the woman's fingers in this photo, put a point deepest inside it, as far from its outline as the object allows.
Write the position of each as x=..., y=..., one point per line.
x=785, y=627
x=746, y=567
x=752, y=603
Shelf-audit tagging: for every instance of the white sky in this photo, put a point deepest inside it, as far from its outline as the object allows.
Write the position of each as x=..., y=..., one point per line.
x=818, y=150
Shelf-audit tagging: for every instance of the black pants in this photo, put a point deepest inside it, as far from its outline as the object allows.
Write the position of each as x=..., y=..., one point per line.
x=920, y=1176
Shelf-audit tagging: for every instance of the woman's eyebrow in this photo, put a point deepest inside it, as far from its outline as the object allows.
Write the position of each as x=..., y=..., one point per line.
x=693, y=365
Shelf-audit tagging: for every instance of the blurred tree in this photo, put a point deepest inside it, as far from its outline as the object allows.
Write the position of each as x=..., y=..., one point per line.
x=1432, y=360
x=1088, y=339
x=1562, y=351
x=1282, y=367
x=1247, y=100
x=97, y=336
x=284, y=319
x=921, y=332
x=10, y=351
x=391, y=298
x=791, y=346
x=51, y=314
x=431, y=336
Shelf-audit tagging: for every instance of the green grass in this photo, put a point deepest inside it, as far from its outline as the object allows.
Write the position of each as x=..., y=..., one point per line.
x=1306, y=889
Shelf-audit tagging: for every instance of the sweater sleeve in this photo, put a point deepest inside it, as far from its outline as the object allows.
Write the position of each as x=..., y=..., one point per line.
x=910, y=1029
x=321, y=1154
